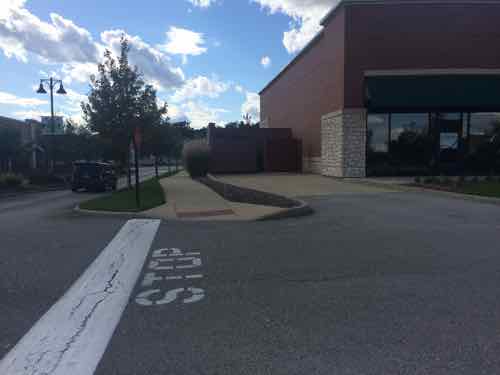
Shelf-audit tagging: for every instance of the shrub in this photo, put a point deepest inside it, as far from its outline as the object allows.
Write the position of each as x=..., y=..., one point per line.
x=10, y=180
x=446, y=180
x=418, y=179
x=44, y=179
x=196, y=158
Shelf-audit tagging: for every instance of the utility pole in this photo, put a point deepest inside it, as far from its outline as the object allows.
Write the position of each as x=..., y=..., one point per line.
x=137, y=140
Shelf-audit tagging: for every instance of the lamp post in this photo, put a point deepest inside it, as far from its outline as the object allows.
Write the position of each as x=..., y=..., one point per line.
x=41, y=90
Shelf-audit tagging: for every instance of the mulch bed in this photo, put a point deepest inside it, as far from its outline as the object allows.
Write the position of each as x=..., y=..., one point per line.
x=195, y=214
x=244, y=195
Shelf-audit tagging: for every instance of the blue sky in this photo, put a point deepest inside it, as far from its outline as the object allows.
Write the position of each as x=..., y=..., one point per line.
x=207, y=58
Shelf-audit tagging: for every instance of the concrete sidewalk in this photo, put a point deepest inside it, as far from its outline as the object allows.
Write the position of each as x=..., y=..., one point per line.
x=301, y=185
x=190, y=200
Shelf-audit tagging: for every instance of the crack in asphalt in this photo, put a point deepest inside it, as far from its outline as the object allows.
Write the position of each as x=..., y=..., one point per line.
x=35, y=358
x=107, y=291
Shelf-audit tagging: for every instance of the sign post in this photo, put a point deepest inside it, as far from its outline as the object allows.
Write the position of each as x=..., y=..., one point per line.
x=137, y=139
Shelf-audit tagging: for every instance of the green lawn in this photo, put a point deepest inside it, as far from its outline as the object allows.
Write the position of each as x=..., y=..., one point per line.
x=124, y=200
x=487, y=189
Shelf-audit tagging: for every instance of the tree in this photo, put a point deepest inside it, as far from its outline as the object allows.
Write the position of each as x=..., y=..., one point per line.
x=119, y=102
x=10, y=147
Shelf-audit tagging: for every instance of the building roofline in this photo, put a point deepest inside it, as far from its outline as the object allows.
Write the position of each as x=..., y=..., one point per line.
x=324, y=21
x=328, y=17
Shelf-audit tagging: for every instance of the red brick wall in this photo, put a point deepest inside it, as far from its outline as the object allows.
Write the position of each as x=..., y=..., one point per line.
x=311, y=87
x=418, y=36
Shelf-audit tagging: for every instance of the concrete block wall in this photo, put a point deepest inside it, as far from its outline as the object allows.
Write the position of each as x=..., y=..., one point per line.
x=312, y=165
x=343, y=143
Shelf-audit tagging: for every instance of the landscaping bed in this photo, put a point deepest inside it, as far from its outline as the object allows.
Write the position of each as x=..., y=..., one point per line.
x=244, y=195
x=124, y=200
x=481, y=186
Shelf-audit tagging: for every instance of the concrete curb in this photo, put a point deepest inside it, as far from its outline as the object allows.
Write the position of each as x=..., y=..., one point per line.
x=302, y=210
x=112, y=213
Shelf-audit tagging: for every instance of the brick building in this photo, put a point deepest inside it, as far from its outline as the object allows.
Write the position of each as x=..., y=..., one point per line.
x=394, y=87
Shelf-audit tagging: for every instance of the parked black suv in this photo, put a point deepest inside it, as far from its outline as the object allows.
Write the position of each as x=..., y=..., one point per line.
x=93, y=176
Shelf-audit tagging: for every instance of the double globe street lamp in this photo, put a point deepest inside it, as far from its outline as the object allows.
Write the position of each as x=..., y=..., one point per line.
x=41, y=90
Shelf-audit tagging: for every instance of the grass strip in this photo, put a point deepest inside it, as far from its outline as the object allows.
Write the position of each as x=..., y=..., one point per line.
x=485, y=189
x=151, y=192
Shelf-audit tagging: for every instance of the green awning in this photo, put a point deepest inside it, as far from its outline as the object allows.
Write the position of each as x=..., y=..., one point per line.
x=424, y=93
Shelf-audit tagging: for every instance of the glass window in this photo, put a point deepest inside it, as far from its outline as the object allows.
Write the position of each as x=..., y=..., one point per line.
x=413, y=124
x=411, y=144
x=484, y=124
x=377, y=155
x=482, y=130
x=378, y=133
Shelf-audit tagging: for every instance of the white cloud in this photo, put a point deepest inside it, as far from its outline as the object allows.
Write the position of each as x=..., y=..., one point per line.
x=239, y=88
x=184, y=42
x=11, y=99
x=58, y=41
x=30, y=114
x=73, y=100
x=265, y=61
x=201, y=115
x=175, y=113
x=62, y=41
x=198, y=87
x=79, y=72
x=154, y=64
x=306, y=15
x=251, y=105
x=202, y=3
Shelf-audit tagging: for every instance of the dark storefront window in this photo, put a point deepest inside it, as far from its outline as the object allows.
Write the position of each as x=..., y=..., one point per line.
x=400, y=144
x=411, y=144
x=378, y=133
x=484, y=143
x=377, y=150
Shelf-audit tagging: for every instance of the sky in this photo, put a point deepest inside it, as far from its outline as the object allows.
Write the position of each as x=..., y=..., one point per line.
x=208, y=59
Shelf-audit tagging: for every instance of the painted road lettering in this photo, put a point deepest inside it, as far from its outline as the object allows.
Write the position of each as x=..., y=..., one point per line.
x=194, y=295
x=167, y=265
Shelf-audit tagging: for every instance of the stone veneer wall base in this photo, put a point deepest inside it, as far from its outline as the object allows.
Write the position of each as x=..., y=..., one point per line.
x=312, y=165
x=343, y=143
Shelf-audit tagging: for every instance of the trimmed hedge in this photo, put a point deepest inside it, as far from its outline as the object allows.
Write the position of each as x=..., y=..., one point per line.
x=45, y=179
x=196, y=158
x=10, y=181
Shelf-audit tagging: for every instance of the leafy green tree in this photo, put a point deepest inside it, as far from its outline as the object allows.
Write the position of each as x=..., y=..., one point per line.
x=119, y=102
x=10, y=146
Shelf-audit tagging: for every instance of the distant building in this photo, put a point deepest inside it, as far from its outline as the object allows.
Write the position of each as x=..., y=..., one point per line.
x=58, y=125
x=30, y=132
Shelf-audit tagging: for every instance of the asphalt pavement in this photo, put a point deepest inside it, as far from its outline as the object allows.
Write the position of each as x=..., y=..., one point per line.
x=373, y=283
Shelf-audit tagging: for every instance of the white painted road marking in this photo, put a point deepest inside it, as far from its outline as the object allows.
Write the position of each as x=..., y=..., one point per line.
x=72, y=336
x=166, y=260
x=196, y=294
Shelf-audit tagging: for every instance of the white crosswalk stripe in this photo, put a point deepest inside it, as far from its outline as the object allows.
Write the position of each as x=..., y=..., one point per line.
x=72, y=336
